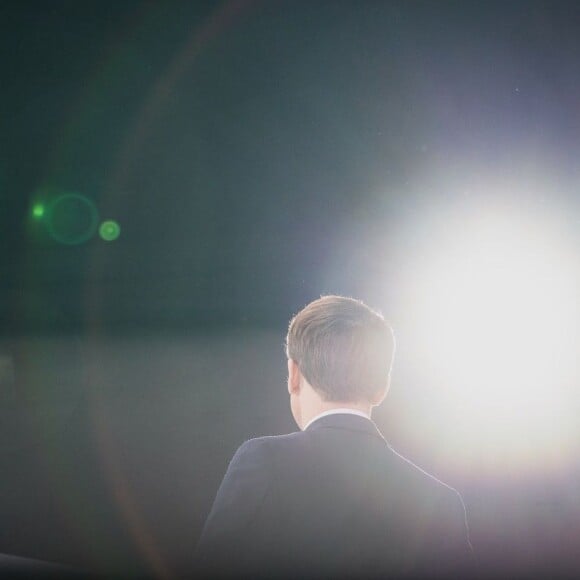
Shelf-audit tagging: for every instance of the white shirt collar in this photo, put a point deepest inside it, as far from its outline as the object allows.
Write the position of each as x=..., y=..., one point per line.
x=345, y=411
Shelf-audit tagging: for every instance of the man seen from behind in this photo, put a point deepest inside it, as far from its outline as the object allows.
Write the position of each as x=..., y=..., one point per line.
x=333, y=500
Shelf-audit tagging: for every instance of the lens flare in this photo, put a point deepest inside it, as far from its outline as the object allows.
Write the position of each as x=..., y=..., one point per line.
x=38, y=211
x=109, y=230
x=72, y=218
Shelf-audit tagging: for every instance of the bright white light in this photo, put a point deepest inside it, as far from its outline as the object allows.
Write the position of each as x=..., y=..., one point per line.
x=493, y=297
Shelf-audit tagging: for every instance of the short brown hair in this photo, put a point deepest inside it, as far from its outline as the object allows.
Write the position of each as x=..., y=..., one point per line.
x=343, y=348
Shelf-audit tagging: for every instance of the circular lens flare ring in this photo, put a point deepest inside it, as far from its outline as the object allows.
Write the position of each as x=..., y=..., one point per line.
x=72, y=218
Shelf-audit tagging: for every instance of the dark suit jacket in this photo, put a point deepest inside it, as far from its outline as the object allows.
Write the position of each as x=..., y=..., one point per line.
x=333, y=501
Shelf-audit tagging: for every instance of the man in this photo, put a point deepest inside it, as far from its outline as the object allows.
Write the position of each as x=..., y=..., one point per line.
x=333, y=500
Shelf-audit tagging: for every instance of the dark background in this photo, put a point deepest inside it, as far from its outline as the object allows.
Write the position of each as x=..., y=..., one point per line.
x=256, y=155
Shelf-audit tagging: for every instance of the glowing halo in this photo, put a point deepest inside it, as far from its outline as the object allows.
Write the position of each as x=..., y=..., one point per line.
x=491, y=307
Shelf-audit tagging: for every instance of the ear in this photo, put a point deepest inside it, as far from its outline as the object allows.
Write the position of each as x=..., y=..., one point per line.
x=380, y=396
x=294, y=377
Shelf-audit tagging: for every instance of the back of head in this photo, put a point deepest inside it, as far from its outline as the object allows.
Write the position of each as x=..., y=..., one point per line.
x=344, y=349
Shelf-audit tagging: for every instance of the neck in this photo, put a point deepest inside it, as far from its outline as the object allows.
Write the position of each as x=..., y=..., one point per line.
x=324, y=406
x=330, y=405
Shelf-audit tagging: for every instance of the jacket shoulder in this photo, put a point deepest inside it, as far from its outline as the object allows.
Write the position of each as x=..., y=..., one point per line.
x=267, y=444
x=420, y=477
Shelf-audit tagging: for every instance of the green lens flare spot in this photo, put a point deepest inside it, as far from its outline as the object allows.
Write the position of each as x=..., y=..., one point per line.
x=109, y=230
x=38, y=211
